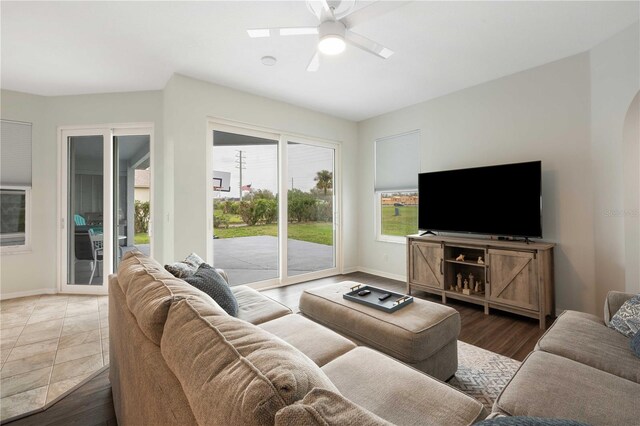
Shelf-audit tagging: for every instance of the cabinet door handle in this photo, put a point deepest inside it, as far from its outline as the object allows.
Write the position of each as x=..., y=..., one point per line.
x=488, y=275
x=441, y=262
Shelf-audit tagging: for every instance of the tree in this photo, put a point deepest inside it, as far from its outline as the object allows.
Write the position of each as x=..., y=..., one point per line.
x=324, y=179
x=141, y=216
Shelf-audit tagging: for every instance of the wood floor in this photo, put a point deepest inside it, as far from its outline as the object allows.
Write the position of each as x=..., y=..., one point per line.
x=503, y=333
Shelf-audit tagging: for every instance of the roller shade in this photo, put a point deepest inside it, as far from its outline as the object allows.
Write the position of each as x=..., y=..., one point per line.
x=15, y=150
x=397, y=162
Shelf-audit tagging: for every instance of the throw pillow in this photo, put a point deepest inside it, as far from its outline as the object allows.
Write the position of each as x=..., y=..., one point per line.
x=185, y=268
x=627, y=319
x=635, y=344
x=208, y=280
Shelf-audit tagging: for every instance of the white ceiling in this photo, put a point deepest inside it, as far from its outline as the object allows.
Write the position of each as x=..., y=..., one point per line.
x=64, y=48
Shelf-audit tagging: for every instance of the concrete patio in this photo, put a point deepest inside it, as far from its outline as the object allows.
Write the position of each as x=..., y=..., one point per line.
x=252, y=259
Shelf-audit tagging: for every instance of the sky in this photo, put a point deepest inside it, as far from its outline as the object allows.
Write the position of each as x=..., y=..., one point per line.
x=260, y=166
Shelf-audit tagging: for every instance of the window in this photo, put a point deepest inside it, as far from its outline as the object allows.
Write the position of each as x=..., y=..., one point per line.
x=396, y=186
x=14, y=218
x=15, y=186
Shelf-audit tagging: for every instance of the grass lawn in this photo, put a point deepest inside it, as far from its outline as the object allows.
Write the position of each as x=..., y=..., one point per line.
x=404, y=224
x=141, y=238
x=313, y=232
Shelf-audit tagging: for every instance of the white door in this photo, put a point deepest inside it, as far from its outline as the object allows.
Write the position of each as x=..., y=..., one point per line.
x=99, y=203
x=86, y=203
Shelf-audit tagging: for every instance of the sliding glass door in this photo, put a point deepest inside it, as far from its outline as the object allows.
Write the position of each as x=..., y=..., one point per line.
x=245, y=206
x=274, y=206
x=101, y=214
x=311, y=236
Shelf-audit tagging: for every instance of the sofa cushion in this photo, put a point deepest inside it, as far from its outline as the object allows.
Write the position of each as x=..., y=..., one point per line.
x=584, y=338
x=211, y=282
x=319, y=343
x=627, y=319
x=149, y=290
x=528, y=421
x=322, y=408
x=548, y=385
x=399, y=393
x=255, y=307
x=233, y=371
x=186, y=267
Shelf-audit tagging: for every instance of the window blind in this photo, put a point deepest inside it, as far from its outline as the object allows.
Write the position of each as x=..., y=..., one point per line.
x=15, y=147
x=397, y=162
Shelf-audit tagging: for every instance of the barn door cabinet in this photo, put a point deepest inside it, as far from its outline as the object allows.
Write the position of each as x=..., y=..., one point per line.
x=511, y=276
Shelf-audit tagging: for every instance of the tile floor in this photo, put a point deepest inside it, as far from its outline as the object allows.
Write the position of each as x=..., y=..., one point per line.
x=49, y=344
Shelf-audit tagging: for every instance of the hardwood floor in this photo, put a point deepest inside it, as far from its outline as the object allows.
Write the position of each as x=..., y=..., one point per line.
x=509, y=335
x=501, y=332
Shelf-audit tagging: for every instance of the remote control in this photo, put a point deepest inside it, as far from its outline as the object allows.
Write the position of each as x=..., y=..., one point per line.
x=384, y=297
x=364, y=292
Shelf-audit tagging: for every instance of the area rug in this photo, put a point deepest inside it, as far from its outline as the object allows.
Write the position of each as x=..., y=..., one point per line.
x=482, y=374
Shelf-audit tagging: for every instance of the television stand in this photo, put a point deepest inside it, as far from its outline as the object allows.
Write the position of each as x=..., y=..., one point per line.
x=508, y=275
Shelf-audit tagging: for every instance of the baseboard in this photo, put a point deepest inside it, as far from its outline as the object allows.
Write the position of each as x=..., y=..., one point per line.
x=350, y=270
x=382, y=274
x=37, y=292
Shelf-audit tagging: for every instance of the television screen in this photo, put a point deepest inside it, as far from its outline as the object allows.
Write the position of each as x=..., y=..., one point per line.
x=503, y=200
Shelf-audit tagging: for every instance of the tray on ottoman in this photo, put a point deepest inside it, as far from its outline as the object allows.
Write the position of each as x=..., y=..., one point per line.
x=392, y=303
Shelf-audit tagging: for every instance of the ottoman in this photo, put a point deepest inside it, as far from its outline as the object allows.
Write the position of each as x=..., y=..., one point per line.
x=423, y=334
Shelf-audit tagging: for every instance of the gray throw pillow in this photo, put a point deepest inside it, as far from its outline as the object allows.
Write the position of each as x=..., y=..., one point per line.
x=627, y=319
x=634, y=344
x=208, y=280
x=185, y=268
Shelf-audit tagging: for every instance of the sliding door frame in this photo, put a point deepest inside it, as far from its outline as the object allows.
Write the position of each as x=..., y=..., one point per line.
x=283, y=138
x=108, y=132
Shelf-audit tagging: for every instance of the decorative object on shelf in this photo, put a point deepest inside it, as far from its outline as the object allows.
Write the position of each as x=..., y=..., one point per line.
x=472, y=281
x=452, y=287
x=460, y=258
x=459, y=282
x=466, y=290
x=480, y=261
x=477, y=287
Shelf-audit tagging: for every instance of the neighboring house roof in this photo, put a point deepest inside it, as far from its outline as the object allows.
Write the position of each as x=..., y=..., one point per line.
x=142, y=178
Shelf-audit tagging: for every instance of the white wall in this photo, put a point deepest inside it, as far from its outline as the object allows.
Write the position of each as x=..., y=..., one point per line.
x=631, y=138
x=569, y=114
x=31, y=273
x=539, y=114
x=615, y=81
x=188, y=102
x=36, y=272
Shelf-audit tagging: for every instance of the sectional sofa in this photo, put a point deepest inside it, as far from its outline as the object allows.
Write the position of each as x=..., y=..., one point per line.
x=581, y=369
x=177, y=358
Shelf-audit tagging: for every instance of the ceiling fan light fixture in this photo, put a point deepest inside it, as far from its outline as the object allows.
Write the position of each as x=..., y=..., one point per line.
x=331, y=37
x=331, y=45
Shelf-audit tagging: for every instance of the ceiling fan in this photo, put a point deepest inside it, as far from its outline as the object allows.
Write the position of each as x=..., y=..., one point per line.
x=334, y=32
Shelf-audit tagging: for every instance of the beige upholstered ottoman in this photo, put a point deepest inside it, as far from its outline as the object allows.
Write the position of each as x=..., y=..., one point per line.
x=423, y=334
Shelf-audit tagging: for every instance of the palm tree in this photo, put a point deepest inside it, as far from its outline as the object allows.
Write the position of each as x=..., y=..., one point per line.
x=324, y=179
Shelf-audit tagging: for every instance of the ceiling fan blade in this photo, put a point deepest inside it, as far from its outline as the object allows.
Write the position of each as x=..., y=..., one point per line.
x=271, y=32
x=370, y=12
x=298, y=31
x=368, y=45
x=314, y=64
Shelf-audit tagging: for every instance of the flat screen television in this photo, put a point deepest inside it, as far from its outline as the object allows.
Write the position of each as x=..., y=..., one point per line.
x=479, y=200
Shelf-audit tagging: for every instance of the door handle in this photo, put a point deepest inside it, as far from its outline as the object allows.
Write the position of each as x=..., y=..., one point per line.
x=441, y=270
